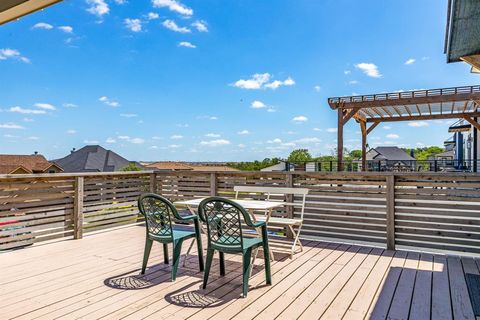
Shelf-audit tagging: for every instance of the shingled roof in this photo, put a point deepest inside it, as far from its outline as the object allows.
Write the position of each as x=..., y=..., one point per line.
x=35, y=163
x=93, y=158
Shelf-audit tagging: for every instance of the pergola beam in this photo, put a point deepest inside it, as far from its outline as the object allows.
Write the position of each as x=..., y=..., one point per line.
x=426, y=117
x=472, y=122
x=406, y=101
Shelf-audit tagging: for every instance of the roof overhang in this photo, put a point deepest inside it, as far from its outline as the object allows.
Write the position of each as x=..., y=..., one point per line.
x=446, y=103
x=13, y=9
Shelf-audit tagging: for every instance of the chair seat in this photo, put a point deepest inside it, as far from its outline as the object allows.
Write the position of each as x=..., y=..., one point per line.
x=248, y=242
x=280, y=220
x=177, y=235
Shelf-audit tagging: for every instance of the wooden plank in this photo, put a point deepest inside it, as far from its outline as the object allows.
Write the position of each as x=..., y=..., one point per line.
x=422, y=292
x=462, y=308
x=441, y=302
x=78, y=208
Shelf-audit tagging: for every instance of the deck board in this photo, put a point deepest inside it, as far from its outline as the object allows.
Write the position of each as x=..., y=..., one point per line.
x=98, y=278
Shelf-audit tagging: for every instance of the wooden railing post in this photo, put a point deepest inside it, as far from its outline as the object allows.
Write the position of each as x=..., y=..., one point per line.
x=213, y=184
x=78, y=209
x=153, y=182
x=290, y=199
x=390, y=212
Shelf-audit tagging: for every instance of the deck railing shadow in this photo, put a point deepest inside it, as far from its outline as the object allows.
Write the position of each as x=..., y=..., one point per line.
x=423, y=293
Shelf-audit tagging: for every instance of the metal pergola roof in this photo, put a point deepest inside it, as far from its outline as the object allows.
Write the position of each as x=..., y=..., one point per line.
x=430, y=104
x=373, y=109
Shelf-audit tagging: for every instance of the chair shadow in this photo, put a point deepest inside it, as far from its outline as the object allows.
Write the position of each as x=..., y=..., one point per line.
x=129, y=281
x=197, y=298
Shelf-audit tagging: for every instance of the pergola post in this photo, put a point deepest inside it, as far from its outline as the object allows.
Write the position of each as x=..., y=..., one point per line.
x=363, y=128
x=340, y=140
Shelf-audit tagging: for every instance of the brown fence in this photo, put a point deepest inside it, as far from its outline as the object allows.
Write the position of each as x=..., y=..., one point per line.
x=429, y=211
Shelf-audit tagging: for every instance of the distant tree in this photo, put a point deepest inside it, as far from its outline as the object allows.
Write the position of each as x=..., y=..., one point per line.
x=254, y=165
x=355, y=154
x=300, y=155
x=132, y=166
x=424, y=153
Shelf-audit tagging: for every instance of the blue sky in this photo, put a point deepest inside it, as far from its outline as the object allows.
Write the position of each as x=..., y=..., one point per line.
x=215, y=80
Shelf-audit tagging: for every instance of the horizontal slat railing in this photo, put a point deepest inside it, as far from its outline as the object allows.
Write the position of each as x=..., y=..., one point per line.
x=413, y=210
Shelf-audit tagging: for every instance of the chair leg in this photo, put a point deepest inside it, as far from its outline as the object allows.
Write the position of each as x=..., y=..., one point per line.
x=210, y=253
x=254, y=257
x=222, y=263
x=199, y=246
x=296, y=236
x=177, y=249
x=247, y=258
x=146, y=254
x=268, y=272
x=165, y=253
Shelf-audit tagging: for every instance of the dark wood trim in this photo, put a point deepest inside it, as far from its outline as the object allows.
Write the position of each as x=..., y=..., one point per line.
x=426, y=117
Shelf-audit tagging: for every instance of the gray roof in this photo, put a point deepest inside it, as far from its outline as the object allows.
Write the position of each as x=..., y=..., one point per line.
x=93, y=159
x=389, y=153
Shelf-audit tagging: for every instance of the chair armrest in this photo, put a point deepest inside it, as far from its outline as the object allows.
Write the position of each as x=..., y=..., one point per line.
x=258, y=224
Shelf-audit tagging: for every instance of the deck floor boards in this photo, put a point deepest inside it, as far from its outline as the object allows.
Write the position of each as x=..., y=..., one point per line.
x=98, y=278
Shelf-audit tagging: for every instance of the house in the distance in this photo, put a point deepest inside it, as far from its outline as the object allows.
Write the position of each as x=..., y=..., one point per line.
x=94, y=158
x=25, y=164
x=388, y=157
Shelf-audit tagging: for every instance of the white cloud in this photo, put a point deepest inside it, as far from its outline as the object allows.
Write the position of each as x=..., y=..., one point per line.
x=69, y=105
x=120, y=2
x=66, y=29
x=28, y=120
x=417, y=124
x=212, y=135
x=128, y=115
x=392, y=136
x=176, y=137
x=353, y=82
x=134, y=25
x=42, y=25
x=90, y=141
x=71, y=131
x=124, y=137
x=257, y=104
x=243, y=132
x=136, y=140
x=256, y=82
x=186, y=44
x=212, y=118
x=170, y=24
x=154, y=147
x=10, y=125
x=332, y=130
x=300, y=119
x=174, y=146
x=45, y=106
x=277, y=83
x=157, y=138
x=347, y=72
x=98, y=7
x=173, y=5
x=153, y=16
x=241, y=145
x=276, y=140
x=387, y=127
x=26, y=111
x=8, y=53
x=183, y=125
x=317, y=129
x=33, y=138
x=370, y=69
x=200, y=25
x=215, y=143
x=410, y=61
x=109, y=102
x=307, y=140
x=317, y=88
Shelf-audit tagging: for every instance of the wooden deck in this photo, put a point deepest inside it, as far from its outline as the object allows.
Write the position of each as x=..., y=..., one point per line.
x=98, y=277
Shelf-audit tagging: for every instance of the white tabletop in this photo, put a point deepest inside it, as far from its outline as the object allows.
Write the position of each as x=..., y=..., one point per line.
x=247, y=204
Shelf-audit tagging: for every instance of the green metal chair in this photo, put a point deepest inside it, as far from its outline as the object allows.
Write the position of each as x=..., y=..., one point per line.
x=223, y=218
x=159, y=213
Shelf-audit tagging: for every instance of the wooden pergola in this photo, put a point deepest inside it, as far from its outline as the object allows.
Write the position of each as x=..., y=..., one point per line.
x=371, y=110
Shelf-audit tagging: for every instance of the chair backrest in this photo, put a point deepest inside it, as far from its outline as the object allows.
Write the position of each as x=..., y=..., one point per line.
x=223, y=218
x=268, y=191
x=159, y=213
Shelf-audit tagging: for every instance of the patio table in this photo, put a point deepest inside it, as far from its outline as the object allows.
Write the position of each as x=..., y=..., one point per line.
x=250, y=205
